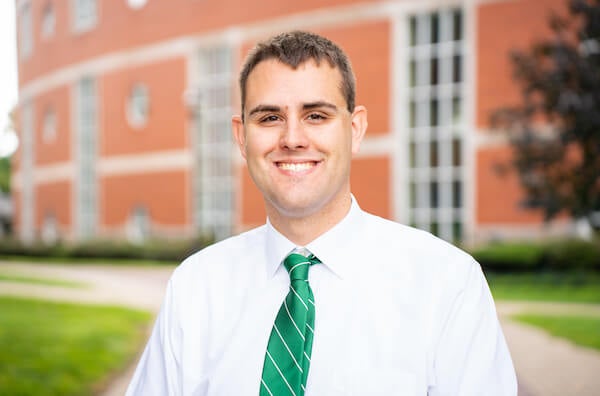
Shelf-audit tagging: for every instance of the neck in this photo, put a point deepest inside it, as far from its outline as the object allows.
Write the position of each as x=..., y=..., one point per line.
x=302, y=230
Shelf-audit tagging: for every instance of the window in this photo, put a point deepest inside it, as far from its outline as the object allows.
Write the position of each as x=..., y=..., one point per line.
x=25, y=31
x=136, y=4
x=50, y=229
x=86, y=130
x=212, y=143
x=48, y=21
x=85, y=14
x=435, y=79
x=138, y=228
x=49, y=126
x=137, y=107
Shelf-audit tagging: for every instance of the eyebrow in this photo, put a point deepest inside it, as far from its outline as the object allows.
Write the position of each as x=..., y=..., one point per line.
x=305, y=106
x=263, y=109
x=318, y=104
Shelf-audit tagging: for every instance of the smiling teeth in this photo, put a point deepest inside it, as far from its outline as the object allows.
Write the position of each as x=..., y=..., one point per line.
x=295, y=167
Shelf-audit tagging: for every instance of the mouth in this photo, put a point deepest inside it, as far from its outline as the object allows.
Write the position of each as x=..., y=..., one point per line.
x=297, y=167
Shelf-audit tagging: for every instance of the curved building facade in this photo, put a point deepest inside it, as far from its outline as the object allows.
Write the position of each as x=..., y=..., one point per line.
x=125, y=107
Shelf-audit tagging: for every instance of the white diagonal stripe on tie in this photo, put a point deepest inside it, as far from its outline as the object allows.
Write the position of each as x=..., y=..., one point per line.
x=280, y=373
x=266, y=387
x=292, y=319
x=287, y=347
x=294, y=267
x=310, y=328
x=299, y=298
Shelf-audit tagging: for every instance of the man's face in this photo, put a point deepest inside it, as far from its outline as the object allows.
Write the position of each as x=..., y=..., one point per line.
x=298, y=137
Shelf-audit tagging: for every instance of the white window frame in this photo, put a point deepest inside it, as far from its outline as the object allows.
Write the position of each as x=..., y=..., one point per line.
x=26, y=30
x=137, y=106
x=435, y=138
x=49, y=126
x=86, y=130
x=84, y=15
x=48, y=23
x=213, y=168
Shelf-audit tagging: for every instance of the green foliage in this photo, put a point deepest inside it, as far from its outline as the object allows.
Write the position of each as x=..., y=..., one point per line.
x=581, y=330
x=98, y=250
x=558, y=255
x=546, y=286
x=5, y=174
x=64, y=349
x=510, y=256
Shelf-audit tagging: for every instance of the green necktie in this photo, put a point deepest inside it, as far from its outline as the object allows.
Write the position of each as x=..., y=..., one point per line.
x=288, y=353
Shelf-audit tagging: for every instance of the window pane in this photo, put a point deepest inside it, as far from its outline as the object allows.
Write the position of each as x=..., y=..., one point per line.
x=412, y=154
x=433, y=71
x=433, y=195
x=456, y=110
x=456, y=68
x=434, y=228
x=433, y=112
x=456, y=154
x=435, y=28
x=413, y=31
x=457, y=193
x=433, y=154
x=412, y=114
x=457, y=231
x=457, y=19
x=412, y=73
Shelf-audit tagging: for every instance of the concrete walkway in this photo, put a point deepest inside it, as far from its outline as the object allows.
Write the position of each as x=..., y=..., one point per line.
x=545, y=365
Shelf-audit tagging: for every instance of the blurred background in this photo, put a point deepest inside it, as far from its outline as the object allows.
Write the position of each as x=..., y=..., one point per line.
x=115, y=138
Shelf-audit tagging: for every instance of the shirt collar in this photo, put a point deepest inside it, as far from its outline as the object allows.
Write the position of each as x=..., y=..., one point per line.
x=333, y=248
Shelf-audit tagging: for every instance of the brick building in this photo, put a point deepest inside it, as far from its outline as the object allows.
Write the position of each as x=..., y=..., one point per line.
x=125, y=107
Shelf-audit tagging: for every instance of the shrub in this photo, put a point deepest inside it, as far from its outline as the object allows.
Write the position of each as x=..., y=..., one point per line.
x=175, y=250
x=510, y=257
x=553, y=255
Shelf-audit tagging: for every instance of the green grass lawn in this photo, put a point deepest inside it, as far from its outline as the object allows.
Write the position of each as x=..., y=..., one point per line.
x=581, y=330
x=10, y=277
x=566, y=287
x=64, y=349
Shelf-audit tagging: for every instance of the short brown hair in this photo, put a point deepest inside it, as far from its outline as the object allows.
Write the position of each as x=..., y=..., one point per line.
x=295, y=48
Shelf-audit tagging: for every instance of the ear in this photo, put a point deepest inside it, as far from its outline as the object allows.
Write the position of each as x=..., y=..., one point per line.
x=359, y=127
x=237, y=126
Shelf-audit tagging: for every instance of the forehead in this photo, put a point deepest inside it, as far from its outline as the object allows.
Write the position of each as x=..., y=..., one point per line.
x=275, y=82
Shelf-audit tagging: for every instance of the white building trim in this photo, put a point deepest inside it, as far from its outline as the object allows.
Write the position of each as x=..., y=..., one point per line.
x=153, y=162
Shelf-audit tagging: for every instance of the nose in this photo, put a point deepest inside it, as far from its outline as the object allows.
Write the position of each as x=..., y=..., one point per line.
x=293, y=136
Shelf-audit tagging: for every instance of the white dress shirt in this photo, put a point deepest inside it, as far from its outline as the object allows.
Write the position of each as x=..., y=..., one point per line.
x=398, y=312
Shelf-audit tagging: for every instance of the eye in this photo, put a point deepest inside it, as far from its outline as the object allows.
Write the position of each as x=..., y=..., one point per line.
x=316, y=117
x=269, y=119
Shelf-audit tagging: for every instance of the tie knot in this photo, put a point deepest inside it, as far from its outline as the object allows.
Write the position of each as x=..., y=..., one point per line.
x=297, y=265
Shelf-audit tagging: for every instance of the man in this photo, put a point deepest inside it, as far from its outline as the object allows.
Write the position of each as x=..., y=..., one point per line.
x=324, y=299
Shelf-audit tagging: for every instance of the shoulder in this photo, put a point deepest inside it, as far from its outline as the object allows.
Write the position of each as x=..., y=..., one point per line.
x=420, y=251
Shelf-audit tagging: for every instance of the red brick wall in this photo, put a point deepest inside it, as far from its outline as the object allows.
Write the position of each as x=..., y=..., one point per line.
x=165, y=128
x=497, y=197
x=120, y=27
x=371, y=185
x=164, y=194
x=54, y=198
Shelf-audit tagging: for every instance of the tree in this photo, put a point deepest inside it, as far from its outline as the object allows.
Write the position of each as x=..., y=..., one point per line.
x=555, y=131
